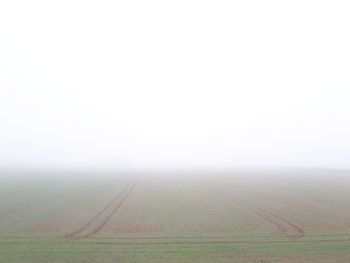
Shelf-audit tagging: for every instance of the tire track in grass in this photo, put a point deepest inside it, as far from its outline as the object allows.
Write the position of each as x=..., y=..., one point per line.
x=277, y=221
x=256, y=212
x=194, y=242
x=293, y=226
x=215, y=242
x=336, y=224
x=100, y=213
x=260, y=237
x=108, y=218
x=300, y=231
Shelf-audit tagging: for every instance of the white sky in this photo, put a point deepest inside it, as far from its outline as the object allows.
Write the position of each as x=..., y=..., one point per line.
x=174, y=84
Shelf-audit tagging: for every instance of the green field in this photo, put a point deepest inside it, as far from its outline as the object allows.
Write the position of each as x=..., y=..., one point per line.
x=261, y=216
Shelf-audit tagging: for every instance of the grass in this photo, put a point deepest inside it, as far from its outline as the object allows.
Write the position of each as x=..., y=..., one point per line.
x=257, y=248
x=173, y=220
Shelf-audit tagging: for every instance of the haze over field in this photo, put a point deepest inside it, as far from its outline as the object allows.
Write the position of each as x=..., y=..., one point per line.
x=138, y=85
x=179, y=131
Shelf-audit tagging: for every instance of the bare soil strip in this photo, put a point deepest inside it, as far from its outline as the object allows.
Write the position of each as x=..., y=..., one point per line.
x=98, y=215
x=277, y=221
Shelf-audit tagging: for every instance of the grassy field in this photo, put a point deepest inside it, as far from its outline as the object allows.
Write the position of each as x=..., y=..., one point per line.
x=265, y=216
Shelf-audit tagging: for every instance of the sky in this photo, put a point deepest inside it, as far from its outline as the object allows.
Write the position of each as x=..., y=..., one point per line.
x=138, y=85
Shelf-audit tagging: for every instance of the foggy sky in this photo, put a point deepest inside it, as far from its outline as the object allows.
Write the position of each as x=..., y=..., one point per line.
x=174, y=84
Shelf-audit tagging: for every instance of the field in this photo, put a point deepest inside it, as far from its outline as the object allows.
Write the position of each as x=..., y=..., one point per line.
x=257, y=216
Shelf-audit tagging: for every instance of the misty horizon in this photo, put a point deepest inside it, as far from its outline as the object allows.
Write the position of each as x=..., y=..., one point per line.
x=174, y=131
x=235, y=90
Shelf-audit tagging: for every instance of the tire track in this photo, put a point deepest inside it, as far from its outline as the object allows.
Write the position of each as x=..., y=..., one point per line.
x=215, y=242
x=235, y=238
x=292, y=225
x=256, y=212
x=108, y=218
x=262, y=237
x=98, y=215
x=271, y=218
x=300, y=231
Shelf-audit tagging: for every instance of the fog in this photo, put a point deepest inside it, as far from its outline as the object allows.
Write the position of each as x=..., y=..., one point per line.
x=147, y=85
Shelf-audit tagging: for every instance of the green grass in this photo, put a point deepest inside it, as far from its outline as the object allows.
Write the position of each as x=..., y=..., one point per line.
x=175, y=220
x=246, y=248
